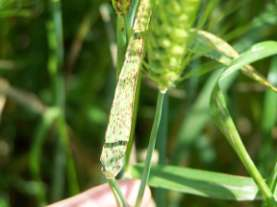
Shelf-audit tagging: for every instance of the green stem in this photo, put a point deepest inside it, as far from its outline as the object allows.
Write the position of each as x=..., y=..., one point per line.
x=121, y=42
x=120, y=200
x=131, y=15
x=55, y=61
x=151, y=147
x=124, y=26
x=273, y=181
x=73, y=186
x=160, y=194
x=48, y=119
x=63, y=156
x=272, y=185
x=268, y=122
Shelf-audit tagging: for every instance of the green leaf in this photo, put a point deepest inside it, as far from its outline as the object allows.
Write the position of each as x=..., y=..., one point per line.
x=256, y=52
x=222, y=115
x=269, y=120
x=270, y=101
x=199, y=182
x=211, y=46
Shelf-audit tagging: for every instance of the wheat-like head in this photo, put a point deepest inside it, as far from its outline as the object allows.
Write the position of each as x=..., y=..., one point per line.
x=168, y=38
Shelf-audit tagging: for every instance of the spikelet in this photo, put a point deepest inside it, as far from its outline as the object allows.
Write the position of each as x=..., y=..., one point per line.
x=168, y=38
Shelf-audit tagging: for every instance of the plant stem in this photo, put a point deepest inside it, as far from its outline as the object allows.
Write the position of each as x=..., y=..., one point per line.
x=121, y=202
x=121, y=40
x=160, y=194
x=151, y=147
x=55, y=62
x=73, y=186
x=272, y=185
x=124, y=25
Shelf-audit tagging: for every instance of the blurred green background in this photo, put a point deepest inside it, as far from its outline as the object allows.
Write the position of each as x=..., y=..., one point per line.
x=41, y=163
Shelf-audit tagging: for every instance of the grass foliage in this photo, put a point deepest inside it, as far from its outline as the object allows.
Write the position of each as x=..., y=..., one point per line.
x=190, y=95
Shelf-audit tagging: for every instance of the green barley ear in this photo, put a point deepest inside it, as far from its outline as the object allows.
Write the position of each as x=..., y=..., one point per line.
x=121, y=6
x=168, y=39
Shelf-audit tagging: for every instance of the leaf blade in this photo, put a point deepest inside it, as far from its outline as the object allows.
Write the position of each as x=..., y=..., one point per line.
x=199, y=182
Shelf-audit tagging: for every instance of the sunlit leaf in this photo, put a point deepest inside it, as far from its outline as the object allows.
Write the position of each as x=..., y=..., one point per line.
x=199, y=182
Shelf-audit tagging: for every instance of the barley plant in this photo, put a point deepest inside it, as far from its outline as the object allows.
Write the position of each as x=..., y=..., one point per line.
x=179, y=95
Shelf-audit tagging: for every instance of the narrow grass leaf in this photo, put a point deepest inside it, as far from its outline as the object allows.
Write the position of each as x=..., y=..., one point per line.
x=35, y=153
x=222, y=115
x=270, y=101
x=208, y=44
x=199, y=182
x=120, y=122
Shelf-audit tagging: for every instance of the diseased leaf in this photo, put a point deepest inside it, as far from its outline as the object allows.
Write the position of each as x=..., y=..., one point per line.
x=120, y=121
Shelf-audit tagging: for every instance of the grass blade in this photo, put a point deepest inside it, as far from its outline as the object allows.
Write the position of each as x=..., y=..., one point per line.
x=269, y=120
x=223, y=118
x=270, y=102
x=63, y=156
x=210, y=45
x=120, y=122
x=199, y=182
